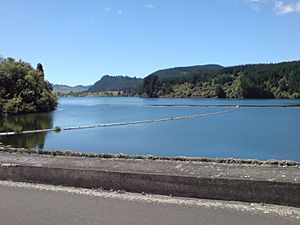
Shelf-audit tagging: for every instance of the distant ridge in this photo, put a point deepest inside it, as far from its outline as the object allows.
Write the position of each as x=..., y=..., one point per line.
x=64, y=89
x=116, y=83
x=185, y=72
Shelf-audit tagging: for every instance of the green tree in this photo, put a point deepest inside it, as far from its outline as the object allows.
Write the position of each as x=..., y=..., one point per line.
x=23, y=89
x=39, y=67
x=220, y=92
x=151, y=86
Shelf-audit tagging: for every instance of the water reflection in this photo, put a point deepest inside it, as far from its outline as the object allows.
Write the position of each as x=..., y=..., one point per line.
x=26, y=122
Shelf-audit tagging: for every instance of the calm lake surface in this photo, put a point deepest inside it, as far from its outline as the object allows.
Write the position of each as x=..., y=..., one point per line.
x=256, y=133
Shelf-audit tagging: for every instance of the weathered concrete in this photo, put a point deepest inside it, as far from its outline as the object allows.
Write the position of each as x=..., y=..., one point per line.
x=234, y=161
x=268, y=184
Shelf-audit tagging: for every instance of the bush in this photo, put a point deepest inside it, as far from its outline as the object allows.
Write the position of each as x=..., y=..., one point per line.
x=23, y=89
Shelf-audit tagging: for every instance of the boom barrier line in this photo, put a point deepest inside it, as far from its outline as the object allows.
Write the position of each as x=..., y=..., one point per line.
x=121, y=123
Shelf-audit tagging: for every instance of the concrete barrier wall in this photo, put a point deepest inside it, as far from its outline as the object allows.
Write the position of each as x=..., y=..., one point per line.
x=281, y=193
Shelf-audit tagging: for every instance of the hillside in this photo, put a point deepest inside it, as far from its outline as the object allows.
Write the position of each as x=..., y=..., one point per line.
x=116, y=83
x=280, y=80
x=178, y=74
x=64, y=89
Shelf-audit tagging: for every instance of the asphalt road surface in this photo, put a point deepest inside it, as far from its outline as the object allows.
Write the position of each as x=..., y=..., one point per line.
x=31, y=204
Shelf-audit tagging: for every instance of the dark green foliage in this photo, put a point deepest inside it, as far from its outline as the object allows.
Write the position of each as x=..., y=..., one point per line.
x=220, y=92
x=281, y=80
x=23, y=89
x=182, y=74
x=151, y=86
x=116, y=83
x=40, y=68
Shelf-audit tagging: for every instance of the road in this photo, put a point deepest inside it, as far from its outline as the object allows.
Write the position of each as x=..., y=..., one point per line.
x=32, y=204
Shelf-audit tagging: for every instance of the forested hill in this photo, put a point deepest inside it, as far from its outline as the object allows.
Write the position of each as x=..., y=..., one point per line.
x=24, y=89
x=178, y=74
x=116, y=83
x=280, y=80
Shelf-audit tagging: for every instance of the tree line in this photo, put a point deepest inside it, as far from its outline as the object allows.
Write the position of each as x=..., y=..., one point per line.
x=280, y=80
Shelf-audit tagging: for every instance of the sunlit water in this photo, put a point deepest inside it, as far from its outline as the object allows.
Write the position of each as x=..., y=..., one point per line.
x=260, y=133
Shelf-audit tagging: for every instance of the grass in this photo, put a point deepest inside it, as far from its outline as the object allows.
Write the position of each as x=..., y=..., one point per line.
x=69, y=153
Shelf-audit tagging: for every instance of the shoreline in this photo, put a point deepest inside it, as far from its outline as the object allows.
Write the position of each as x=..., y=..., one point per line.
x=203, y=106
x=168, y=97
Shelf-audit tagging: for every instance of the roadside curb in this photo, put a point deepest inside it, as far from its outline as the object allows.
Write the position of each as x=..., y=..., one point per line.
x=271, y=192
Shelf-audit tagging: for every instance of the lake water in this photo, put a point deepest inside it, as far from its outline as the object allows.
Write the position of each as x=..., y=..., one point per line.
x=256, y=133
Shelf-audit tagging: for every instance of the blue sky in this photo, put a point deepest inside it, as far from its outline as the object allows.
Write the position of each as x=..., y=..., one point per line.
x=79, y=41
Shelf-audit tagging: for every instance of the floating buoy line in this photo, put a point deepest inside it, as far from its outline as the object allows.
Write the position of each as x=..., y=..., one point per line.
x=120, y=123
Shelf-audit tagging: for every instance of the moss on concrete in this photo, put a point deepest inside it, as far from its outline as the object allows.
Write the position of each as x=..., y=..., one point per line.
x=69, y=153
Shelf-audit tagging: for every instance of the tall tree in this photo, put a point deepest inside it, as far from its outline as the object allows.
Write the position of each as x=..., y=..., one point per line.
x=39, y=67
